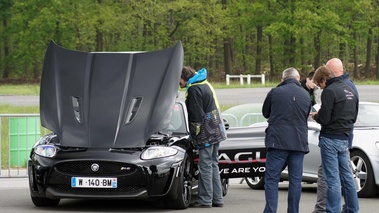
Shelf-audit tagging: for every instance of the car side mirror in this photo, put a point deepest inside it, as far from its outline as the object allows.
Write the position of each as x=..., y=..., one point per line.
x=226, y=124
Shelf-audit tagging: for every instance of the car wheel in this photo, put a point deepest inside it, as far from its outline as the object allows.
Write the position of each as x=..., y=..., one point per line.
x=225, y=186
x=184, y=188
x=255, y=182
x=31, y=178
x=364, y=171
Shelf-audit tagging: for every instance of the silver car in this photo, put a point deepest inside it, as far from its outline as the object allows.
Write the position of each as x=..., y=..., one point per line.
x=247, y=126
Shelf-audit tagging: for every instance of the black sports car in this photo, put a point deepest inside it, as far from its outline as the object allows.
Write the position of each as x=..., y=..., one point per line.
x=117, y=130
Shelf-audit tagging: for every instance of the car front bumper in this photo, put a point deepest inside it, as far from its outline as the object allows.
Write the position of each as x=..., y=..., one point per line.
x=136, y=178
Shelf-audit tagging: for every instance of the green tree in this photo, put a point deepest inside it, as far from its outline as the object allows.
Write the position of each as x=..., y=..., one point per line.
x=5, y=15
x=225, y=36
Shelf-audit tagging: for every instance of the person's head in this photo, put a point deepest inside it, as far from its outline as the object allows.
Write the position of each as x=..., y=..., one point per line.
x=310, y=75
x=322, y=74
x=335, y=64
x=187, y=73
x=309, y=80
x=290, y=73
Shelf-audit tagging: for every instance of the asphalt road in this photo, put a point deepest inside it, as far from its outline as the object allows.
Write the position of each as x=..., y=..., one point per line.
x=15, y=198
x=225, y=96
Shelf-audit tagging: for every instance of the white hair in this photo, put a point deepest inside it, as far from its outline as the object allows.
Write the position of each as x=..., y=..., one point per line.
x=290, y=73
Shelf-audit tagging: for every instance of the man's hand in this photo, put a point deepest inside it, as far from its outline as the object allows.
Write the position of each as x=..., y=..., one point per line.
x=312, y=115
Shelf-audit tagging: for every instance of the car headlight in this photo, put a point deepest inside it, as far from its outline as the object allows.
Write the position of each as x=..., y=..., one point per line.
x=45, y=150
x=158, y=152
x=377, y=144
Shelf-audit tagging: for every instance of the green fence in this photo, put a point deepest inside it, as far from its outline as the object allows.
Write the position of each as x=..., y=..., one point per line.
x=18, y=134
x=23, y=133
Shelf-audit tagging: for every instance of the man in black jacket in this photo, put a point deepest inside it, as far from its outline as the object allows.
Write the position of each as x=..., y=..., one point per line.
x=287, y=108
x=335, y=65
x=337, y=116
x=207, y=130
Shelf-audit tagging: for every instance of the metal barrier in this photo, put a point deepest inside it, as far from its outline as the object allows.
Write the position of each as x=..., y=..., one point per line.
x=18, y=133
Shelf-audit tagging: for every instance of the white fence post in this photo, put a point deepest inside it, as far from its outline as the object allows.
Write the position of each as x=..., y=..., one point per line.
x=263, y=79
x=248, y=78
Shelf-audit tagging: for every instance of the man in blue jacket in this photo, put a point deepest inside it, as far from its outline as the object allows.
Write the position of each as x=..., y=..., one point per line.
x=287, y=108
x=207, y=130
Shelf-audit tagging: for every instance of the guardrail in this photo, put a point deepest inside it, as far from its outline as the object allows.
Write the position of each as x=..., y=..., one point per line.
x=18, y=133
x=248, y=78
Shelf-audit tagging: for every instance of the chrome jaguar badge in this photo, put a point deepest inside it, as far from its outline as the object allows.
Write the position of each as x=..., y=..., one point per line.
x=95, y=167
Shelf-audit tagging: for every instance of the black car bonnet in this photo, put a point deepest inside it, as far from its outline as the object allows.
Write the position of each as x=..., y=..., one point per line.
x=108, y=99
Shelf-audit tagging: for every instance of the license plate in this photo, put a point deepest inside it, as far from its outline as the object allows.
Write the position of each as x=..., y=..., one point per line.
x=83, y=182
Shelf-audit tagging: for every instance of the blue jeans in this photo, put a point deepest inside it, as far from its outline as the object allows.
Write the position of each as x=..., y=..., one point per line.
x=210, y=191
x=335, y=165
x=275, y=162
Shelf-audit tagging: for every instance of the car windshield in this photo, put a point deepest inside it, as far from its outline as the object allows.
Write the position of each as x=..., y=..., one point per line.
x=244, y=115
x=368, y=115
x=177, y=123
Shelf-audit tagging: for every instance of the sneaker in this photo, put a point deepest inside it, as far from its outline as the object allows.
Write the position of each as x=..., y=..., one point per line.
x=218, y=205
x=199, y=205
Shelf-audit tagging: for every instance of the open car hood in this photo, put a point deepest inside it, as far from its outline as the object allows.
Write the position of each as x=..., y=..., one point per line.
x=108, y=99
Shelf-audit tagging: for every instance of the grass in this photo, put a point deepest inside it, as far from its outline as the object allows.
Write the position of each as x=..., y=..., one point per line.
x=366, y=82
x=4, y=142
x=236, y=84
x=22, y=89
x=8, y=109
x=33, y=89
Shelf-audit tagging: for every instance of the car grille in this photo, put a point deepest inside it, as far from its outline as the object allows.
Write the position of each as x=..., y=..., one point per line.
x=129, y=181
x=105, y=168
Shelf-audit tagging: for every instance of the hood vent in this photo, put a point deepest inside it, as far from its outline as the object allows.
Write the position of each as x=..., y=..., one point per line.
x=76, y=109
x=133, y=109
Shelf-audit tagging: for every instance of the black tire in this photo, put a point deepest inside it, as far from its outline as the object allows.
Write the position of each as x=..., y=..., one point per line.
x=366, y=174
x=225, y=186
x=255, y=182
x=184, y=188
x=45, y=202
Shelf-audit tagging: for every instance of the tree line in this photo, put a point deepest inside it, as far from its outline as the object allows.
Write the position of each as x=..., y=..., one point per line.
x=225, y=36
